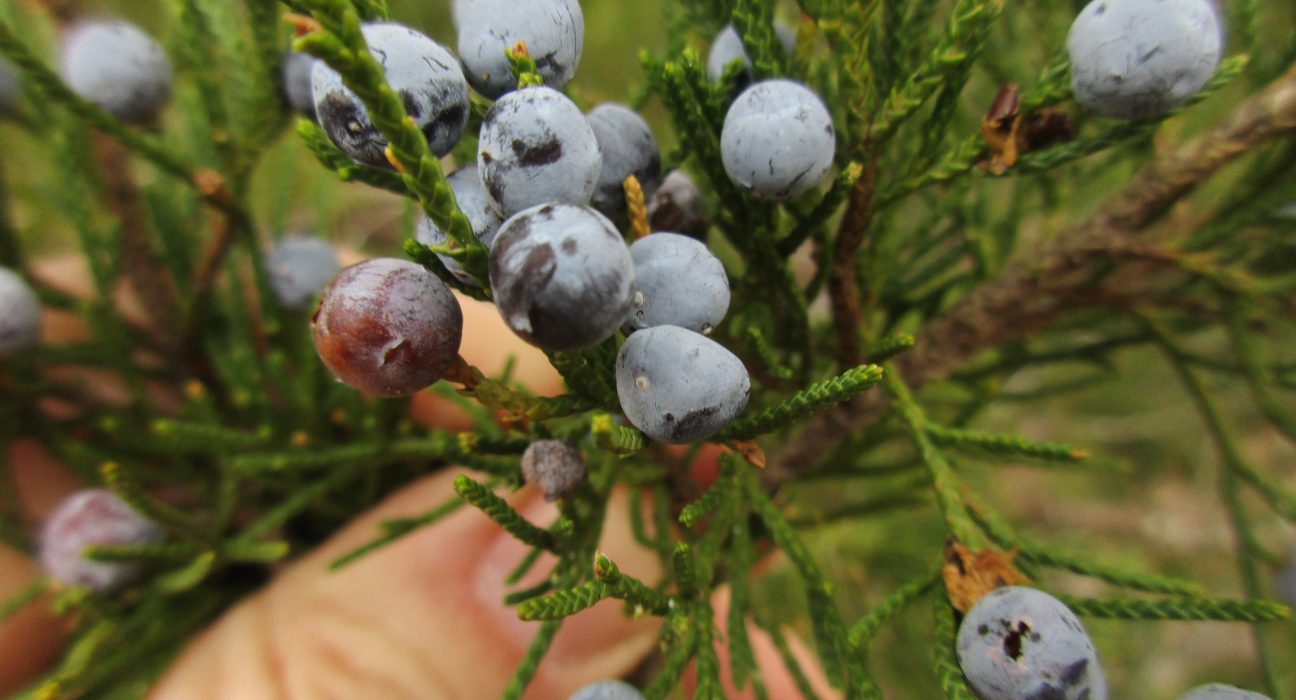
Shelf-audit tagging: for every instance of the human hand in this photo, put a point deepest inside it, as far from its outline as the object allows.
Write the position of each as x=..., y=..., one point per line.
x=422, y=617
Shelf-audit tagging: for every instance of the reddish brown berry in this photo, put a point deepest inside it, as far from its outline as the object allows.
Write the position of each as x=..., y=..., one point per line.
x=387, y=327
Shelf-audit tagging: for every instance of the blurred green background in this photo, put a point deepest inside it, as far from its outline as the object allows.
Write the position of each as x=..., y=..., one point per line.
x=1148, y=498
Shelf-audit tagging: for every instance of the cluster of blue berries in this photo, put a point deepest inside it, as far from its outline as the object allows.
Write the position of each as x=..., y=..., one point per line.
x=546, y=197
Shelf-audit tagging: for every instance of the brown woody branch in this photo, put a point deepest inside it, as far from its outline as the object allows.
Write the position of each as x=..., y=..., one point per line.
x=1070, y=273
x=843, y=278
x=144, y=269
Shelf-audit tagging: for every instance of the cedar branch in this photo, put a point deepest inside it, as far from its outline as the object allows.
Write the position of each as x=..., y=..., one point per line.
x=1065, y=276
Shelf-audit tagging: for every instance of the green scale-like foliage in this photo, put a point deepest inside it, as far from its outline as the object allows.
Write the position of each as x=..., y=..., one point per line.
x=981, y=299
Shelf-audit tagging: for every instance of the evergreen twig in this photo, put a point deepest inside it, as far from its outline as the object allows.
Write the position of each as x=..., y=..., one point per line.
x=503, y=514
x=805, y=403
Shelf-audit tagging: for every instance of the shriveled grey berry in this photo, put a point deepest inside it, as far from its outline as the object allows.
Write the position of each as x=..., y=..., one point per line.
x=628, y=148
x=1133, y=59
x=1219, y=691
x=19, y=314
x=473, y=201
x=561, y=275
x=535, y=148
x=423, y=73
x=608, y=690
x=296, y=82
x=93, y=517
x=10, y=86
x=299, y=267
x=678, y=282
x=553, y=30
x=778, y=139
x=677, y=206
x=553, y=466
x=387, y=327
x=728, y=47
x=1020, y=643
x=678, y=386
x=117, y=66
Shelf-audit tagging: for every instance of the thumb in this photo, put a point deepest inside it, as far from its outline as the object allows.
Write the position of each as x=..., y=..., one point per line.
x=422, y=617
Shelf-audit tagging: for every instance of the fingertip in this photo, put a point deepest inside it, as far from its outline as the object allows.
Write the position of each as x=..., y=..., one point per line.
x=425, y=612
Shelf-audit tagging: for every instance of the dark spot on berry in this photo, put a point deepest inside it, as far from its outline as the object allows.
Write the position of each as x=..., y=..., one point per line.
x=691, y=421
x=1012, y=643
x=1076, y=673
x=411, y=105
x=492, y=183
x=521, y=290
x=983, y=630
x=448, y=121
x=1148, y=56
x=539, y=262
x=347, y=127
x=1047, y=692
x=569, y=246
x=532, y=156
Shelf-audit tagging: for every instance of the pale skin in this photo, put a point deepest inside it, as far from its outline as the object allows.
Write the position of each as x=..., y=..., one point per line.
x=422, y=618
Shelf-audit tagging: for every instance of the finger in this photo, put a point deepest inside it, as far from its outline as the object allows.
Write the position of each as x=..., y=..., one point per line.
x=420, y=618
x=778, y=678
